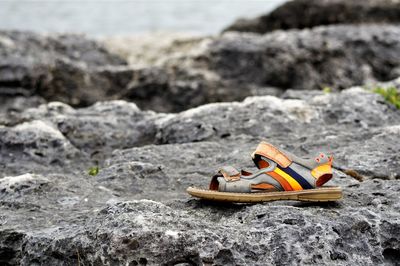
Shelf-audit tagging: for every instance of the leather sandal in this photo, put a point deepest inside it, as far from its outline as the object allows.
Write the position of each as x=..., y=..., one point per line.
x=281, y=176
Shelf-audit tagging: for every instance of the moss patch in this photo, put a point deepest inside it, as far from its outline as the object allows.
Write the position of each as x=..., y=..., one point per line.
x=390, y=95
x=93, y=170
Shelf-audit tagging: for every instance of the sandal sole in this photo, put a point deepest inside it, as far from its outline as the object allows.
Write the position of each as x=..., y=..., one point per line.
x=315, y=195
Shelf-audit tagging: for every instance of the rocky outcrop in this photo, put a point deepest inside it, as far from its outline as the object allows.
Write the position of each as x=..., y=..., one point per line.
x=233, y=66
x=135, y=210
x=309, y=123
x=68, y=68
x=149, y=49
x=337, y=57
x=77, y=71
x=299, y=14
x=215, y=69
x=144, y=232
x=353, y=117
x=54, y=131
x=91, y=175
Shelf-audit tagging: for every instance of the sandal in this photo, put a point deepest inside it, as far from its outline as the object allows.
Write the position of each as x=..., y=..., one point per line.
x=281, y=176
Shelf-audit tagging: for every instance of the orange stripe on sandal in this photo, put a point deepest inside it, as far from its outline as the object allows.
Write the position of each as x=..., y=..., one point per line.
x=285, y=184
x=263, y=186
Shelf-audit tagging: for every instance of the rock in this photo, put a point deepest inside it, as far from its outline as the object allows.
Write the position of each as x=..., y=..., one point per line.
x=301, y=14
x=335, y=56
x=180, y=231
x=135, y=210
x=78, y=71
x=346, y=122
x=10, y=105
x=349, y=120
x=105, y=219
x=150, y=49
x=197, y=233
x=34, y=145
x=236, y=65
x=95, y=131
x=176, y=89
x=231, y=67
x=60, y=67
x=14, y=185
x=169, y=90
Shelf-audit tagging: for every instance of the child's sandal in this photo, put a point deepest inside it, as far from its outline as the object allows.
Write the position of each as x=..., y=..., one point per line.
x=282, y=176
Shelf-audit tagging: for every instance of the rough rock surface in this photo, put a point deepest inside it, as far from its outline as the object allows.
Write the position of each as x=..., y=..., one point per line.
x=146, y=49
x=136, y=212
x=95, y=131
x=68, y=68
x=335, y=56
x=302, y=125
x=233, y=66
x=80, y=72
x=299, y=14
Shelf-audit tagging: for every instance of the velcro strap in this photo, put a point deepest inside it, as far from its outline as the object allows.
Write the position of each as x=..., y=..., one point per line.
x=230, y=173
x=267, y=150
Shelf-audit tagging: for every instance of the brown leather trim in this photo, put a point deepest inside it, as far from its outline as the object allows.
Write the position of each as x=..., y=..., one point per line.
x=263, y=186
x=267, y=150
x=229, y=177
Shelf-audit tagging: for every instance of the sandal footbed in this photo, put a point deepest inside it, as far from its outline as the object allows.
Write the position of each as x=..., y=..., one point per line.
x=328, y=193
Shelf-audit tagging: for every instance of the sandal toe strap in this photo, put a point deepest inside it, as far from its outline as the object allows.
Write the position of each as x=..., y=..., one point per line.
x=225, y=174
x=229, y=173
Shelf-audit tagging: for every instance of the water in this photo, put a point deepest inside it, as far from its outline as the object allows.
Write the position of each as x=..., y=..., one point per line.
x=108, y=18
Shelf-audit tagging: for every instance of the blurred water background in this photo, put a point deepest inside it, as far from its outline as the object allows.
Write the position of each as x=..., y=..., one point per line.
x=110, y=18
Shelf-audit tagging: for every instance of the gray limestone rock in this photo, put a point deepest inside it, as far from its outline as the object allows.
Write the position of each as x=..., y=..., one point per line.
x=233, y=66
x=331, y=56
x=301, y=14
x=135, y=210
x=35, y=146
x=66, y=68
x=94, y=132
x=230, y=67
x=361, y=229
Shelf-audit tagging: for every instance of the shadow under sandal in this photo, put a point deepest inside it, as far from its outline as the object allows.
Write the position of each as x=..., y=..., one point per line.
x=281, y=176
